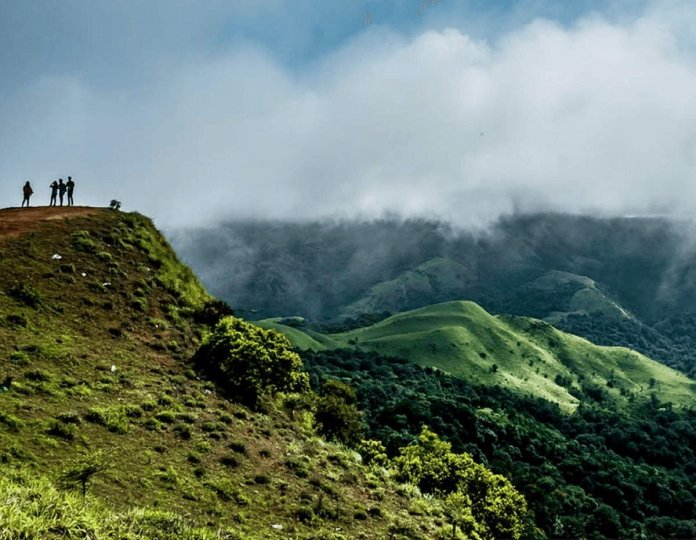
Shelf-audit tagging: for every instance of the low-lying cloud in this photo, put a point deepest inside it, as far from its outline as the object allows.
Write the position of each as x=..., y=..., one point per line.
x=598, y=117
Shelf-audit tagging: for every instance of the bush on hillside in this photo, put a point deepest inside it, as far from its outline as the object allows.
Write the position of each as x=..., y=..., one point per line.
x=211, y=312
x=500, y=511
x=25, y=294
x=247, y=361
x=336, y=413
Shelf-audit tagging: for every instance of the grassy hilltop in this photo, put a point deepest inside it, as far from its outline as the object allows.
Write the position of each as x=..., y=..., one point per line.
x=98, y=321
x=521, y=354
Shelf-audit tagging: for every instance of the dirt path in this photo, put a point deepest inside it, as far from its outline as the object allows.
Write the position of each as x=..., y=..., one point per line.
x=16, y=221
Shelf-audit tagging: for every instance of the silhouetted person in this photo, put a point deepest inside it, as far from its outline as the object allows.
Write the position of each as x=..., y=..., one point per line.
x=62, y=188
x=27, y=193
x=71, y=187
x=54, y=193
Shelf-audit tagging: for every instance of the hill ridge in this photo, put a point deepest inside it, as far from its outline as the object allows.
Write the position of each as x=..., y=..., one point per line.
x=527, y=355
x=98, y=323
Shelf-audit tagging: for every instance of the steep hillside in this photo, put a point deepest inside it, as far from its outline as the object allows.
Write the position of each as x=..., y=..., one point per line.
x=528, y=356
x=98, y=322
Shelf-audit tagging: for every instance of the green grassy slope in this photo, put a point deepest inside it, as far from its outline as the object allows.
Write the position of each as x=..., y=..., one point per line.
x=522, y=354
x=573, y=295
x=98, y=321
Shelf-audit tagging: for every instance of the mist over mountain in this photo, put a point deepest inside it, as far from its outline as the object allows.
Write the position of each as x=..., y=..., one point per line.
x=316, y=269
x=617, y=280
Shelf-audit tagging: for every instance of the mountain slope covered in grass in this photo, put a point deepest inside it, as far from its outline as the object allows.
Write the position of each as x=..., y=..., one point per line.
x=99, y=399
x=525, y=355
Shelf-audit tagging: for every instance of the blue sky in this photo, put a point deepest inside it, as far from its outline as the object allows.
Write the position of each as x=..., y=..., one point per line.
x=194, y=110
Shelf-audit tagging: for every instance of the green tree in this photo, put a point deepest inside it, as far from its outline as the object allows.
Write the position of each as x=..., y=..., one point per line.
x=457, y=509
x=248, y=361
x=336, y=414
x=495, y=504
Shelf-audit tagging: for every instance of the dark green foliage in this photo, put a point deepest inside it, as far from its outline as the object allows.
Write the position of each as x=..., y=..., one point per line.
x=17, y=319
x=82, y=241
x=212, y=311
x=10, y=421
x=25, y=294
x=336, y=413
x=238, y=447
x=61, y=430
x=248, y=361
x=598, y=472
x=304, y=514
x=230, y=460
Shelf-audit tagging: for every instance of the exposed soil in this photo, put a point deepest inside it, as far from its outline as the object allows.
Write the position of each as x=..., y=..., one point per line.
x=16, y=221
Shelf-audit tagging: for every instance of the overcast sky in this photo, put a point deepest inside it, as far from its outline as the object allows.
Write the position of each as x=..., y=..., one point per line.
x=196, y=110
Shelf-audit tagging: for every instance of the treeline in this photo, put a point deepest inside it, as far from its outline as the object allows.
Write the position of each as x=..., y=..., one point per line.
x=595, y=473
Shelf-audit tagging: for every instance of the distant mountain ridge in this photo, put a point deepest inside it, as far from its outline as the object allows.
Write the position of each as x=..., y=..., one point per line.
x=617, y=281
x=517, y=353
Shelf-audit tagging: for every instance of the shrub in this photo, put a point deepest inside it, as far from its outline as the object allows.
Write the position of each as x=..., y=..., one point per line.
x=114, y=419
x=237, y=446
x=248, y=361
x=148, y=405
x=373, y=452
x=19, y=357
x=360, y=514
x=61, y=430
x=151, y=424
x=187, y=418
x=17, y=319
x=183, y=432
x=304, y=514
x=336, y=413
x=299, y=465
x=230, y=460
x=166, y=417
x=487, y=501
x=165, y=400
x=10, y=421
x=38, y=375
x=69, y=418
x=139, y=304
x=25, y=294
x=211, y=312
x=261, y=479
x=82, y=241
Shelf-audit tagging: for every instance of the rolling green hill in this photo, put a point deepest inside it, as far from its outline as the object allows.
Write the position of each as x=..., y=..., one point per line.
x=98, y=323
x=526, y=355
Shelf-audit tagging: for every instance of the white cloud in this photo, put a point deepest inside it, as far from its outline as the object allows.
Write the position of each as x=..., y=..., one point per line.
x=600, y=117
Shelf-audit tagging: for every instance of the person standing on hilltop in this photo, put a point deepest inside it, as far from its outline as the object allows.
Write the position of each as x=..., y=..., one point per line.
x=61, y=190
x=71, y=187
x=27, y=193
x=54, y=193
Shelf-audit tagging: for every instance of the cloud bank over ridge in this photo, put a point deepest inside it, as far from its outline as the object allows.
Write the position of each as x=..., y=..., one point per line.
x=596, y=116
